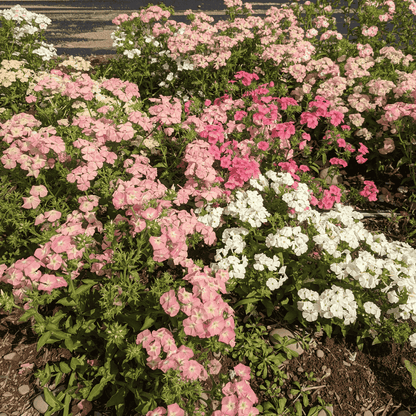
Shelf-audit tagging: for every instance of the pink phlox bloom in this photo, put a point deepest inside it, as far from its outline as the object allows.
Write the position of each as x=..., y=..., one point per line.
x=184, y=296
x=360, y=159
x=263, y=146
x=166, y=365
x=150, y=214
x=229, y=323
x=252, y=411
x=242, y=371
x=363, y=149
x=167, y=297
x=158, y=242
x=214, y=367
x=162, y=333
x=190, y=326
x=341, y=143
x=60, y=243
x=53, y=215
x=31, y=203
x=211, y=309
x=154, y=348
x=191, y=370
x=243, y=390
x=55, y=262
x=229, y=405
x=227, y=336
x=159, y=411
x=169, y=344
x=144, y=336
x=153, y=362
x=175, y=410
x=172, y=308
x=49, y=282
x=243, y=406
x=39, y=190
x=41, y=253
x=336, y=161
x=215, y=326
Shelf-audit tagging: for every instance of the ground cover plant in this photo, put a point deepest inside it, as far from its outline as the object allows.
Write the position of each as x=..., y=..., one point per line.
x=203, y=140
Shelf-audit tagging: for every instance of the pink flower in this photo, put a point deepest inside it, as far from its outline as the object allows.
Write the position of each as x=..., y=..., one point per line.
x=171, y=308
x=60, y=243
x=53, y=215
x=388, y=147
x=39, y=190
x=263, y=145
x=214, y=366
x=227, y=336
x=55, y=262
x=31, y=203
x=175, y=410
x=341, y=143
x=242, y=371
x=215, y=326
x=191, y=370
x=150, y=214
x=229, y=405
x=144, y=336
x=159, y=411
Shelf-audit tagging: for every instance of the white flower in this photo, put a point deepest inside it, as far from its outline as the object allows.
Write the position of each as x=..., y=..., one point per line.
x=272, y=284
x=412, y=340
x=372, y=309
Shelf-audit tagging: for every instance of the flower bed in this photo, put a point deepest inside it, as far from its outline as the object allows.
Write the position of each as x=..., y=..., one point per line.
x=199, y=135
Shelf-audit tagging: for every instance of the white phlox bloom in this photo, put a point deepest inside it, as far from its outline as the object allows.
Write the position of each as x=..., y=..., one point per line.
x=249, y=208
x=372, y=309
x=309, y=311
x=274, y=284
x=213, y=218
x=288, y=237
x=334, y=302
x=238, y=267
x=308, y=294
x=233, y=241
x=360, y=269
x=412, y=340
x=298, y=199
x=261, y=260
x=260, y=183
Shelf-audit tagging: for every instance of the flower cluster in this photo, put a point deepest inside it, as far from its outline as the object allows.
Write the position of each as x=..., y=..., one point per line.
x=335, y=302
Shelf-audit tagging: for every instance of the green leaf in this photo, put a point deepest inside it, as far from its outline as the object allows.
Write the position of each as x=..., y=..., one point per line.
x=75, y=362
x=245, y=302
x=118, y=398
x=148, y=322
x=298, y=408
x=66, y=302
x=291, y=316
x=51, y=400
x=328, y=329
x=97, y=390
x=43, y=339
x=269, y=306
x=65, y=368
x=87, y=284
x=412, y=369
